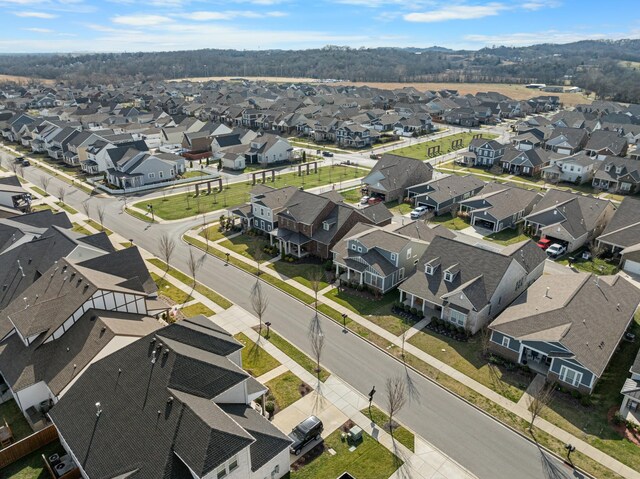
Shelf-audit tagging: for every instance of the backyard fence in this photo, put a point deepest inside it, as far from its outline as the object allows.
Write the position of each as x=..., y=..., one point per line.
x=26, y=446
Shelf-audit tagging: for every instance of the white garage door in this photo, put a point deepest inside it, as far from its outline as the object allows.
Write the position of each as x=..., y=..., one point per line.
x=632, y=267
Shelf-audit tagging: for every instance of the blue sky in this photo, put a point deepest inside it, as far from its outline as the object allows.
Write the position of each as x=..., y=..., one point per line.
x=130, y=25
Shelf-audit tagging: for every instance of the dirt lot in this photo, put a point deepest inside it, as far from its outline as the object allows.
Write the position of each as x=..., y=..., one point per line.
x=24, y=80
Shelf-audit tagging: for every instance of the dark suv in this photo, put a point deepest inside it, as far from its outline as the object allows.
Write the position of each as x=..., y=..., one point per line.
x=305, y=432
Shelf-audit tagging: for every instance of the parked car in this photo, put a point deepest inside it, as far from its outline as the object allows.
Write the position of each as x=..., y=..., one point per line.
x=418, y=212
x=26, y=163
x=556, y=249
x=374, y=200
x=375, y=156
x=19, y=159
x=364, y=200
x=327, y=153
x=308, y=430
x=544, y=243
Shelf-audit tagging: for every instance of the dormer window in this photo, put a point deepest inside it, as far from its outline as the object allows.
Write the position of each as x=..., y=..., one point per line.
x=607, y=167
x=428, y=269
x=618, y=169
x=431, y=266
x=449, y=276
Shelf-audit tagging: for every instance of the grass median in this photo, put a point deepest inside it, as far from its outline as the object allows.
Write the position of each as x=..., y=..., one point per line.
x=294, y=353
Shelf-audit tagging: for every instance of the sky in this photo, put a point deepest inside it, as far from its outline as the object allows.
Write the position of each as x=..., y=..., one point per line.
x=28, y=26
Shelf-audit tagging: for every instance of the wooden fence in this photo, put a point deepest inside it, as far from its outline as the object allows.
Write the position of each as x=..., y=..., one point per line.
x=26, y=446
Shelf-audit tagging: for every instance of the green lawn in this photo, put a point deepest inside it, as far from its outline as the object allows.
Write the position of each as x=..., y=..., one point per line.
x=214, y=233
x=247, y=246
x=300, y=272
x=285, y=389
x=364, y=305
x=141, y=216
x=419, y=150
x=196, y=309
x=294, y=353
x=400, y=433
x=594, y=265
x=446, y=220
x=392, y=323
x=467, y=358
x=200, y=288
x=10, y=412
x=352, y=196
x=255, y=360
x=590, y=422
x=399, y=208
x=40, y=191
x=370, y=460
x=95, y=225
x=32, y=465
x=81, y=229
x=165, y=288
x=42, y=207
x=193, y=174
x=184, y=205
x=67, y=208
x=507, y=236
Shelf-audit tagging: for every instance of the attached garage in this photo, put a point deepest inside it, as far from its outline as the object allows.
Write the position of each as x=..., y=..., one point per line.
x=630, y=260
x=632, y=267
x=484, y=223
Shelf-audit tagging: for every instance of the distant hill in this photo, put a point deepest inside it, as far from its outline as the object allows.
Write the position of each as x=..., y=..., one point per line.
x=609, y=68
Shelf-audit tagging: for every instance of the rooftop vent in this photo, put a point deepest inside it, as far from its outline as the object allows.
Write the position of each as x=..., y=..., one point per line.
x=98, y=409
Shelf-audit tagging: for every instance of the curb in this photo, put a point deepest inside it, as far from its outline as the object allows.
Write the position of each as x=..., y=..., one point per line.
x=433, y=381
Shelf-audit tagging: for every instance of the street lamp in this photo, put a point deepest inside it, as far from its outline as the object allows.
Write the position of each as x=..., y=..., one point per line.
x=150, y=209
x=344, y=321
x=569, y=449
x=268, y=325
x=371, y=393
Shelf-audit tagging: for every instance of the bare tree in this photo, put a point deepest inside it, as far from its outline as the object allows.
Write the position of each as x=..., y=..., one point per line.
x=541, y=398
x=315, y=279
x=396, y=398
x=259, y=303
x=86, y=207
x=188, y=197
x=62, y=191
x=166, y=245
x=485, y=340
x=206, y=233
x=317, y=338
x=13, y=166
x=595, y=248
x=101, y=216
x=194, y=265
x=258, y=255
x=20, y=171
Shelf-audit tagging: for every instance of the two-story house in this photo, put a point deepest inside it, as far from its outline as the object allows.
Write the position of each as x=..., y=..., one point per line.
x=264, y=205
x=376, y=257
x=441, y=195
x=526, y=162
x=353, y=135
x=569, y=218
x=467, y=285
x=174, y=404
x=578, y=169
x=618, y=175
x=483, y=152
x=567, y=326
x=567, y=141
x=603, y=143
x=498, y=206
x=392, y=175
x=266, y=149
x=145, y=169
x=621, y=237
x=630, y=408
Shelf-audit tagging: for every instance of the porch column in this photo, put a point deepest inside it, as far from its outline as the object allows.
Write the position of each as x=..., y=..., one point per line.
x=412, y=300
x=401, y=295
x=361, y=278
x=262, y=403
x=348, y=274
x=299, y=251
x=337, y=270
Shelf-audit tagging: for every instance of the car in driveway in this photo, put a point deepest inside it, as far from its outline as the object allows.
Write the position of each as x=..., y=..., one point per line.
x=308, y=430
x=544, y=243
x=374, y=200
x=364, y=200
x=418, y=212
x=556, y=249
x=327, y=153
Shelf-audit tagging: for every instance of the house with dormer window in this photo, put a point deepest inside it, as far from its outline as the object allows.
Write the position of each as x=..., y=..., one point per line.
x=483, y=152
x=618, y=175
x=467, y=285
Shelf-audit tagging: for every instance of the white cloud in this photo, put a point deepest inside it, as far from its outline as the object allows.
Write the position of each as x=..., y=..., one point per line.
x=35, y=15
x=141, y=20
x=205, y=16
x=547, y=36
x=539, y=4
x=38, y=30
x=456, y=12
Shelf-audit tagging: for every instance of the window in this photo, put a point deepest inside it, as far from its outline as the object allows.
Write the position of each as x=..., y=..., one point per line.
x=233, y=464
x=448, y=276
x=152, y=175
x=409, y=253
x=359, y=249
x=161, y=174
x=428, y=269
x=570, y=376
x=393, y=256
x=353, y=246
x=506, y=341
x=456, y=317
x=172, y=172
x=222, y=472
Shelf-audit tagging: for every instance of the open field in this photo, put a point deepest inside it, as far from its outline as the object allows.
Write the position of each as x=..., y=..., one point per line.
x=25, y=80
x=515, y=91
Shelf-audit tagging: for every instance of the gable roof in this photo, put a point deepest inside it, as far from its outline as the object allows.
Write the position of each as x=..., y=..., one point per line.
x=624, y=228
x=392, y=172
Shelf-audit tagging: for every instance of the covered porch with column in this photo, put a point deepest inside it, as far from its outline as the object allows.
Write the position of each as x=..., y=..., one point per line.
x=351, y=271
x=290, y=242
x=429, y=308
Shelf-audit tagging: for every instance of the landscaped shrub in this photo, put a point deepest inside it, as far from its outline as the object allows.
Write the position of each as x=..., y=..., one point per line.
x=576, y=394
x=406, y=308
x=413, y=311
x=328, y=265
x=420, y=314
x=270, y=407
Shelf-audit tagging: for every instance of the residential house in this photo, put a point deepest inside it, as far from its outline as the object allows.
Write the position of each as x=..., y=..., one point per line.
x=103, y=155
x=578, y=169
x=630, y=408
x=527, y=140
x=353, y=135
x=267, y=149
x=262, y=210
x=174, y=404
x=13, y=197
x=622, y=235
x=570, y=218
x=567, y=141
x=468, y=285
x=567, y=326
x=312, y=224
x=376, y=257
x=145, y=169
x=525, y=163
x=498, y=207
x=443, y=194
x=392, y=175
x=618, y=175
x=483, y=152
x=603, y=143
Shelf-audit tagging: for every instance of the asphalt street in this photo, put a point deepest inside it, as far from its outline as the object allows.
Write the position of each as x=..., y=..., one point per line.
x=482, y=445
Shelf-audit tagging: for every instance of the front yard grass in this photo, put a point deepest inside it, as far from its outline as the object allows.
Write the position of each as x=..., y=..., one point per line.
x=32, y=466
x=589, y=422
x=285, y=389
x=10, y=412
x=467, y=358
x=255, y=360
x=67, y=208
x=184, y=205
x=400, y=209
x=214, y=233
x=146, y=217
x=507, y=236
x=400, y=433
x=248, y=246
x=299, y=271
x=78, y=228
x=363, y=305
x=419, y=150
x=594, y=265
x=352, y=196
x=294, y=353
x=370, y=460
x=449, y=221
x=196, y=309
x=165, y=288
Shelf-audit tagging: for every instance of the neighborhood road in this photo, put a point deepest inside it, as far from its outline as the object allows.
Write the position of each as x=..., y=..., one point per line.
x=483, y=446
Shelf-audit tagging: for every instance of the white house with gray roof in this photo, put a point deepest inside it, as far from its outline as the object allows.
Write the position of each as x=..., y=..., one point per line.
x=578, y=168
x=441, y=195
x=567, y=326
x=630, y=408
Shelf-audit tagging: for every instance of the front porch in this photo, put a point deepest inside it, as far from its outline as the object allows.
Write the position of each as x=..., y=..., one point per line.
x=429, y=309
x=535, y=360
x=630, y=408
x=291, y=243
